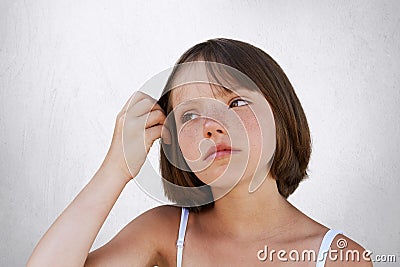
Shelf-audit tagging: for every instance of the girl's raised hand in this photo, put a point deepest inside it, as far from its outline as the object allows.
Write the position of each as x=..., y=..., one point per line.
x=138, y=125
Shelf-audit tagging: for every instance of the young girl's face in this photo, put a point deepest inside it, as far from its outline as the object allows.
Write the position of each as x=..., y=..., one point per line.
x=226, y=136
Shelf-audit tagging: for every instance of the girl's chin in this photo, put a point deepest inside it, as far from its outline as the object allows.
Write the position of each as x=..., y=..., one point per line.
x=222, y=180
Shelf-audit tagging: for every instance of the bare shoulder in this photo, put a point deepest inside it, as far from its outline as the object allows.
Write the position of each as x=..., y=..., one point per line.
x=146, y=240
x=344, y=251
x=347, y=252
x=161, y=216
x=155, y=224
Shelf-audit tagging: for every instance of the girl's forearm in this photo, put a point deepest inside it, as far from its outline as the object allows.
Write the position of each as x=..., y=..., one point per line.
x=68, y=241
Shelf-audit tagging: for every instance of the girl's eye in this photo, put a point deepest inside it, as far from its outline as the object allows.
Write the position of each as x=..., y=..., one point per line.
x=234, y=103
x=188, y=116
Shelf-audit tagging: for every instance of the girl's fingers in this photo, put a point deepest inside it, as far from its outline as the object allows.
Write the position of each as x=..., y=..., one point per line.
x=155, y=117
x=151, y=134
x=143, y=106
x=136, y=97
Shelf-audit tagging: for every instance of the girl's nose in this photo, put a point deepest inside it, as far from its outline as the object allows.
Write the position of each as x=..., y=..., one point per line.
x=212, y=128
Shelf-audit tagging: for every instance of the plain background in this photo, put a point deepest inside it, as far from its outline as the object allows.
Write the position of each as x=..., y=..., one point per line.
x=67, y=68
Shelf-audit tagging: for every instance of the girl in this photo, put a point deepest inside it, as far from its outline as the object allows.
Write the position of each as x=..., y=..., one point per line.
x=234, y=145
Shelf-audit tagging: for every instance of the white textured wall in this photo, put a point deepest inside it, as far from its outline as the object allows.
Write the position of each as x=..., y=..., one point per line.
x=67, y=67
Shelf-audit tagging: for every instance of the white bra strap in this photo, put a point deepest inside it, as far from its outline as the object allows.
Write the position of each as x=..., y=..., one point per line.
x=181, y=235
x=325, y=245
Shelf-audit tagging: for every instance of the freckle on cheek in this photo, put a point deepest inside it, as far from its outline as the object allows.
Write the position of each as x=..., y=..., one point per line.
x=250, y=122
x=190, y=139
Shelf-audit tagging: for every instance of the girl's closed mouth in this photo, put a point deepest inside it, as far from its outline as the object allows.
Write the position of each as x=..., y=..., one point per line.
x=220, y=150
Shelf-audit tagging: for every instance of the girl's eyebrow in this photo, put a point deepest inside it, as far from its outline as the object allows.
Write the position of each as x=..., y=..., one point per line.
x=185, y=103
x=224, y=91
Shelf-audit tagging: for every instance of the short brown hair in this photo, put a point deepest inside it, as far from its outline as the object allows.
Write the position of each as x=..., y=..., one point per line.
x=293, y=141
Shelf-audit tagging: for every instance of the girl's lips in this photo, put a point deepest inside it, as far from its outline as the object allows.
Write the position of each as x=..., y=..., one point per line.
x=219, y=150
x=221, y=153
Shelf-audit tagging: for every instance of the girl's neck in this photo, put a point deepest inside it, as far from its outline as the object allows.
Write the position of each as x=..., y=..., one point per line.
x=240, y=214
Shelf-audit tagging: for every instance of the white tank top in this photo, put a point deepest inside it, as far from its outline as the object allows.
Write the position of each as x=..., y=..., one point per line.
x=325, y=244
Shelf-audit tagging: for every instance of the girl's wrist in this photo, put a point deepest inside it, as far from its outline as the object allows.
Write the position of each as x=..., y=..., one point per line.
x=116, y=173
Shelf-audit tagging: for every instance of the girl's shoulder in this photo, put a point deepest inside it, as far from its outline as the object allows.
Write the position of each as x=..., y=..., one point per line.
x=146, y=240
x=160, y=225
x=161, y=214
x=344, y=251
x=155, y=221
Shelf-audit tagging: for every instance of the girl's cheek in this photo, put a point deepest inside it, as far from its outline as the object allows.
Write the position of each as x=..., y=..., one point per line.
x=250, y=123
x=253, y=127
x=189, y=142
x=262, y=132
